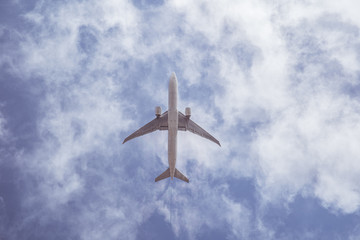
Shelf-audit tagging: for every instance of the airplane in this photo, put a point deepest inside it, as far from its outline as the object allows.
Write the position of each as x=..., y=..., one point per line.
x=173, y=121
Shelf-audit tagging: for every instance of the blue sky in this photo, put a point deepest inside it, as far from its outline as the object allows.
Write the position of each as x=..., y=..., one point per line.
x=277, y=82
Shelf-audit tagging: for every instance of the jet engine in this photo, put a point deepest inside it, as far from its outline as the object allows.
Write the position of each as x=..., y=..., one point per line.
x=158, y=111
x=188, y=112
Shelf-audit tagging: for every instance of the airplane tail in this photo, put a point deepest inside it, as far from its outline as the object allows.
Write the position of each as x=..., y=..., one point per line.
x=177, y=174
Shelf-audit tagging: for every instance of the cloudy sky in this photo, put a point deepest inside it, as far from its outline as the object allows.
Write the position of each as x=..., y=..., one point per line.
x=277, y=82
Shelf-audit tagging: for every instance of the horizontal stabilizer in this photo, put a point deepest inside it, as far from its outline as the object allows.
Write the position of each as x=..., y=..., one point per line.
x=164, y=175
x=180, y=176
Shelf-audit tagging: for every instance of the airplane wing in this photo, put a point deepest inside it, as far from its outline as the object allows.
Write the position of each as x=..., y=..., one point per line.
x=159, y=123
x=185, y=124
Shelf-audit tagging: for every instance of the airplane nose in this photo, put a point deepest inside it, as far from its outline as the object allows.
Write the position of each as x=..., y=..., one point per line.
x=173, y=81
x=173, y=77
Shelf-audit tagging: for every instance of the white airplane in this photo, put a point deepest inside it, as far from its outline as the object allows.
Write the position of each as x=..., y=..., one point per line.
x=172, y=120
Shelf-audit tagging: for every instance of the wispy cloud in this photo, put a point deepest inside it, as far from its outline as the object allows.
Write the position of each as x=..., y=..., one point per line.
x=276, y=83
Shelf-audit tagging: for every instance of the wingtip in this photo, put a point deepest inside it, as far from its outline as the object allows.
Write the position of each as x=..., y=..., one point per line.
x=126, y=139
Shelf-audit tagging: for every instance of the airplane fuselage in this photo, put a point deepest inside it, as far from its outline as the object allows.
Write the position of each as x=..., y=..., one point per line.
x=172, y=124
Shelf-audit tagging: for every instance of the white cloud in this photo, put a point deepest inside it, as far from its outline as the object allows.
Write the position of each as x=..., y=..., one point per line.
x=297, y=131
x=311, y=144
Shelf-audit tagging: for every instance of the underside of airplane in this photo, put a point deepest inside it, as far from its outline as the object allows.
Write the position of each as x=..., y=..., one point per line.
x=172, y=121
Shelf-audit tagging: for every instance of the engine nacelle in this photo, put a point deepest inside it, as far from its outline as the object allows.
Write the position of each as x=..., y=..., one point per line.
x=158, y=111
x=188, y=112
